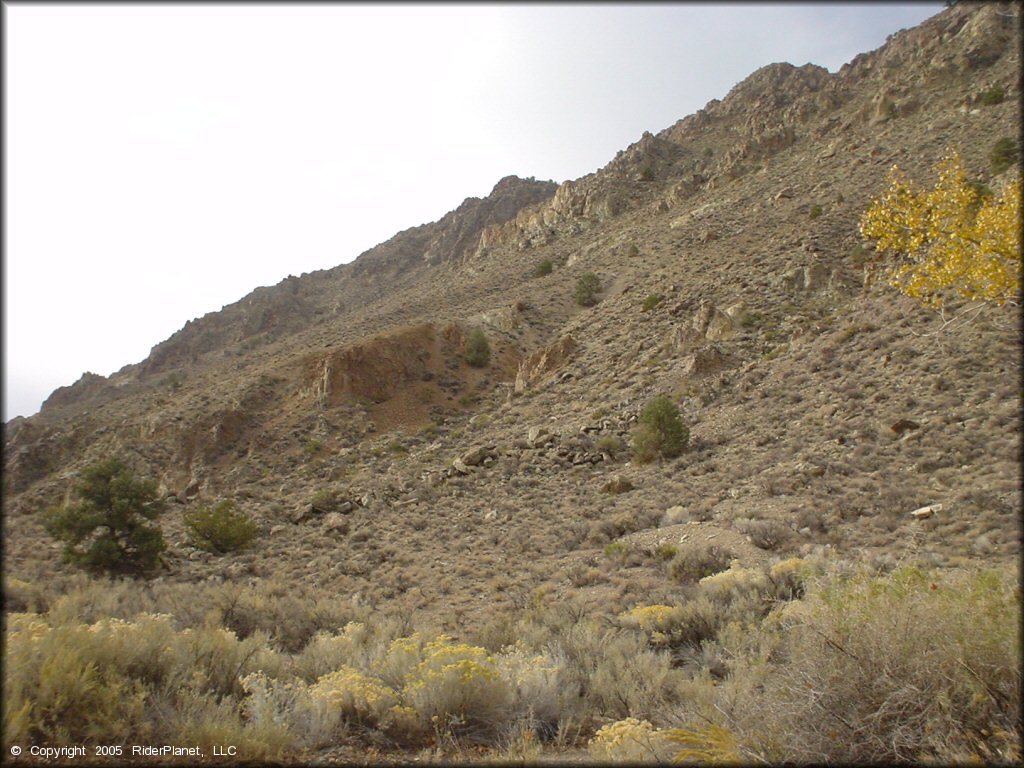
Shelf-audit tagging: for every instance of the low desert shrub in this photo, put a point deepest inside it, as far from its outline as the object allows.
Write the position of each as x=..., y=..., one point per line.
x=286, y=706
x=637, y=741
x=220, y=528
x=661, y=431
x=992, y=96
x=651, y=302
x=463, y=690
x=1004, y=154
x=629, y=741
x=675, y=515
x=117, y=681
x=914, y=666
x=544, y=267
x=693, y=562
x=328, y=651
x=766, y=534
x=54, y=692
x=23, y=597
x=477, y=352
x=290, y=615
x=666, y=551
x=587, y=288
x=677, y=627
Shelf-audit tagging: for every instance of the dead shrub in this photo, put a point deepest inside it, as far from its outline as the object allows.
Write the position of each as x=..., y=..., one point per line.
x=693, y=562
x=765, y=534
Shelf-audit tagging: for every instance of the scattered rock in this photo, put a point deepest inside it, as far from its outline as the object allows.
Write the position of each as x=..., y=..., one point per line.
x=460, y=466
x=707, y=359
x=617, y=484
x=335, y=523
x=538, y=437
x=474, y=457
x=904, y=425
x=236, y=570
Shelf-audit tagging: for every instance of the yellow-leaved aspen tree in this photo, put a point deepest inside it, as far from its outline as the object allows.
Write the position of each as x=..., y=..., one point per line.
x=957, y=237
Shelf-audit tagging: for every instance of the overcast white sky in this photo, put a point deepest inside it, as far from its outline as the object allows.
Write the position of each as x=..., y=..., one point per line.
x=162, y=161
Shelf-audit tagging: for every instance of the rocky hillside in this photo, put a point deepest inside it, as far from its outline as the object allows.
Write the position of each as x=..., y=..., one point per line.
x=337, y=410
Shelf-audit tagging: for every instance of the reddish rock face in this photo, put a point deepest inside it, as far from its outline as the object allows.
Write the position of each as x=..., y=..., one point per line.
x=543, y=362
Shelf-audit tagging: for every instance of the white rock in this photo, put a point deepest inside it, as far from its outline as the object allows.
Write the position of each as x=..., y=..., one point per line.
x=923, y=513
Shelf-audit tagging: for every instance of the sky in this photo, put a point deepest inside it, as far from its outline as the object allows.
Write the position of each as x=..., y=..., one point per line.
x=161, y=161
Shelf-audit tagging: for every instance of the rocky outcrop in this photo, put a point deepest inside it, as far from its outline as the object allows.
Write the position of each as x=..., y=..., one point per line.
x=374, y=369
x=706, y=360
x=459, y=231
x=709, y=323
x=505, y=318
x=457, y=234
x=543, y=363
x=88, y=387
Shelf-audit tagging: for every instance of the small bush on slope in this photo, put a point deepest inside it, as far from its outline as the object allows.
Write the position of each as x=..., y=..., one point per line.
x=661, y=431
x=220, y=528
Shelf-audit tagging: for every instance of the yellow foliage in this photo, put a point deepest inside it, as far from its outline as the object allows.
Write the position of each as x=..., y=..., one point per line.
x=786, y=567
x=357, y=696
x=949, y=238
x=629, y=740
x=456, y=679
x=709, y=745
x=733, y=582
x=650, y=618
x=632, y=740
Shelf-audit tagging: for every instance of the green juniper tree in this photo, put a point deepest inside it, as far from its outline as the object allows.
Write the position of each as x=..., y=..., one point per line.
x=107, y=529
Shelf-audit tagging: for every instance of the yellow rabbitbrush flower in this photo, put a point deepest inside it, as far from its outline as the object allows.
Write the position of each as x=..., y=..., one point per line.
x=629, y=740
x=637, y=741
x=456, y=679
x=650, y=618
x=355, y=695
x=953, y=237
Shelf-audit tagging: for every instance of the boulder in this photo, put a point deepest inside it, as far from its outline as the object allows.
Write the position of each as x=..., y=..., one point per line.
x=537, y=436
x=815, y=277
x=792, y=280
x=923, y=513
x=903, y=426
x=708, y=359
x=474, y=457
